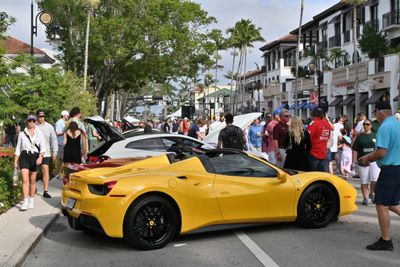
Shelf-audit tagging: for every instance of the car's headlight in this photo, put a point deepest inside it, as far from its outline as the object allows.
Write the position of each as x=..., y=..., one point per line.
x=102, y=189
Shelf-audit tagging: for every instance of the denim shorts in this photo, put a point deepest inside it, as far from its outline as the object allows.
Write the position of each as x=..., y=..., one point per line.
x=387, y=189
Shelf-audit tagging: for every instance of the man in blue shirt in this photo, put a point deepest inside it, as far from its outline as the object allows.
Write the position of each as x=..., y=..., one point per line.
x=387, y=189
x=255, y=136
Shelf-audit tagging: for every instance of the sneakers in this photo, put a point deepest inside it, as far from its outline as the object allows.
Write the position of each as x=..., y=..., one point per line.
x=365, y=202
x=25, y=205
x=31, y=203
x=381, y=245
x=46, y=194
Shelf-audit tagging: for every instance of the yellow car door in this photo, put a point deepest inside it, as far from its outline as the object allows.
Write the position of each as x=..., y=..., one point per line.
x=248, y=189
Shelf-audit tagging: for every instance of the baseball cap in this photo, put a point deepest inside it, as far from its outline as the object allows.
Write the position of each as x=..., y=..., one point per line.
x=277, y=111
x=64, y=113
x=31, y=117
x=382, y=105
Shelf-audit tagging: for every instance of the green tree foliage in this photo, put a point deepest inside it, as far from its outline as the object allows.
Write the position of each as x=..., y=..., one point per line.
x=133, y=42
x=374, y=44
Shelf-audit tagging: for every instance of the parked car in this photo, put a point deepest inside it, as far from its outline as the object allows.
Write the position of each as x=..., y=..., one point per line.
x=149, y=201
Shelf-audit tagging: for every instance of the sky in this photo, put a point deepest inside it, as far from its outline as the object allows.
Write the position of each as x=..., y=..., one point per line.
x=276, y=18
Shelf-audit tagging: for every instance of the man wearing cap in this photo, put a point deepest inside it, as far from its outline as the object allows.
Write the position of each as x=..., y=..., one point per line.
x=60, y=129
x=387, y=188
x=50, y=139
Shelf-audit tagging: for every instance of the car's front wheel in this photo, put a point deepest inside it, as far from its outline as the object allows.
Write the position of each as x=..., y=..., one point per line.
x=318, y=206
x=150, y=223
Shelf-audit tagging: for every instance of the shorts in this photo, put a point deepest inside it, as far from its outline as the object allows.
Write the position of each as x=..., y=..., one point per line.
x=60, y=152
x=387, y=189
x=46, y=161
x=368, y=173
x=331, y=155
x=28, y=161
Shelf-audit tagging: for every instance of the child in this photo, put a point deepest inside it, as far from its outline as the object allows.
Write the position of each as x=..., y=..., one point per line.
x=346, y=158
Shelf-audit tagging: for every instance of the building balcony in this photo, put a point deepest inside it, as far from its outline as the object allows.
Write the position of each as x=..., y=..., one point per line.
x=350, y=73
x=335, y=41
x=391, y=20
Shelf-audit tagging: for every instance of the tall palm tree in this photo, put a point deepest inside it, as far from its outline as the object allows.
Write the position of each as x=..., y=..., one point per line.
x=231, y=43
x=355, y=4
x=245, y=34
x=219, y=44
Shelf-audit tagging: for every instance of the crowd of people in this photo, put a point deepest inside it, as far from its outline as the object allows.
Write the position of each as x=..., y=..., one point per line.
x=370, y=149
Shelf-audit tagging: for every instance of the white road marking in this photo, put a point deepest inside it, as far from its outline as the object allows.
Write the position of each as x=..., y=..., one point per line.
x=256, y=250
x=179, y=245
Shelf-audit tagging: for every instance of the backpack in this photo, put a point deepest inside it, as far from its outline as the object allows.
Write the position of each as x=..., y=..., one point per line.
x=233, y=138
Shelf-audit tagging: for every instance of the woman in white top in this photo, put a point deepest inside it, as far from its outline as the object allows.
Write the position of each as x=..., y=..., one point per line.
x=29, y=155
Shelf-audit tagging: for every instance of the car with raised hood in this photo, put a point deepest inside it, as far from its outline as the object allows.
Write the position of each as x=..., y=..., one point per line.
x=115, y=144
x=149, y=202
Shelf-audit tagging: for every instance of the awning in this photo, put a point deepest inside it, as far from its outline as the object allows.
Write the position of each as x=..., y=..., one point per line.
x=396, y=98
x=347, y=101
x=363, y=97
x=335, y=102
x=375, y=97
x=294, y=106
x=284, y=105
x=302, y=105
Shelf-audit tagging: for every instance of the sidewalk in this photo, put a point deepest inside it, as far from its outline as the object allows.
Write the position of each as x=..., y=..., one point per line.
x=20, y=231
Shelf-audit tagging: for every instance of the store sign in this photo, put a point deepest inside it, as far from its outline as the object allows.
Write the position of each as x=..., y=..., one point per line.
x=346, y=87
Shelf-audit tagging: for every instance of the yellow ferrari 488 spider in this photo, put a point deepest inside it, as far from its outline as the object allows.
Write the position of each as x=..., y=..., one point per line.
x=150, y=201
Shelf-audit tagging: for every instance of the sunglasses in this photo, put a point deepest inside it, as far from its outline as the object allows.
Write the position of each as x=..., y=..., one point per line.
x=367, y=124
x=31, y=120
x=41, y=116
x=287, y=116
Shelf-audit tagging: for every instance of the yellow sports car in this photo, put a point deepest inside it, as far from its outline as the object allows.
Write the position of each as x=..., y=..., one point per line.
x=148, y=202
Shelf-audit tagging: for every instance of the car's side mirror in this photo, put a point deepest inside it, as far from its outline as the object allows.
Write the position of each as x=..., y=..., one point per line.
x=282, y=176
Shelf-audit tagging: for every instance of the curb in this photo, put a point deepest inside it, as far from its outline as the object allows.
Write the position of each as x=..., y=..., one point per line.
x=24, y=250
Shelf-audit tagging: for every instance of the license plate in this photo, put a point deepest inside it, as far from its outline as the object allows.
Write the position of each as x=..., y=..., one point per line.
x=70, y=203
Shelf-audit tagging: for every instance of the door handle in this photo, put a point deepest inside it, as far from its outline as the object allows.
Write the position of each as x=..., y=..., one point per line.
x=182, y=177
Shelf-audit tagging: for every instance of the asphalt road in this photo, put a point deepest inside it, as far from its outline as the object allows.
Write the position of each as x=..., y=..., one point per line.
x=340, y=244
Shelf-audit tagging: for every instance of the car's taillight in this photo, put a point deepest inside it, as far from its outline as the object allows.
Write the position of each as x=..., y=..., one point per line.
x=102, y=189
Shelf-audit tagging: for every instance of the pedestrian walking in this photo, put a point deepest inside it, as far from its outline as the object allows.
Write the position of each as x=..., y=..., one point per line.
x=281, y=137
x=364, y=144
x=185, y=126
x=319, y=130
x=270, y=149
x=60, y=129
x=299, y=146
x=29, y=154
x=255, y=136
x=50, y=154
x=194, y=130
x=73, y=142
x=333, y=150
x=361, y=117
x=346, y=158
x=264, y=133
x=11, y=132
x=231, y=136
x=387, y=189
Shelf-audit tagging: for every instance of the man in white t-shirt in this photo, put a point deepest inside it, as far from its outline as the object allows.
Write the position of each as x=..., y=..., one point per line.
x=359, y=127
x=335, y=135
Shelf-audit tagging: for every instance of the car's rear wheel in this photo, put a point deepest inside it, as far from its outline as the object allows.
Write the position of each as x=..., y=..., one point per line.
x=150, y=223
x=317, y=207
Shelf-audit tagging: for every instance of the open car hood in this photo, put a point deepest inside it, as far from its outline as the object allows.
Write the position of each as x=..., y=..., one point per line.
x=105, y=130
x=241, y=121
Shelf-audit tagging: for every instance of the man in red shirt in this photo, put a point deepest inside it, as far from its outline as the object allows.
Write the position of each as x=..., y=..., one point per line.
x=320, y=130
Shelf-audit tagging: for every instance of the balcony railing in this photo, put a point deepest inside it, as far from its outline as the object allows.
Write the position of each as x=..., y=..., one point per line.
x=289, y=62
x=391, y=18
x=347, y=36
x=335, y=41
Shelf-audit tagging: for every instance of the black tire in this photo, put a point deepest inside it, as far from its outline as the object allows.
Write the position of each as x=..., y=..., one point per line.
x=151, y=223
x=318, y=206
x=74, y=223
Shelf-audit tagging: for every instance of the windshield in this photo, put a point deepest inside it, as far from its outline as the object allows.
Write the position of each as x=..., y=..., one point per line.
x=288, y=171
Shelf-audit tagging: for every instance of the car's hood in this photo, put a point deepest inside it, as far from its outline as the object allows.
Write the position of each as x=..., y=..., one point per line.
x=106, y=131
x=241, y=121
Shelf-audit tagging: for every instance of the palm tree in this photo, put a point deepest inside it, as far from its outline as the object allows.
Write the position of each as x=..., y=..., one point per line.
x=338, y=57
x=245, y=34
x=219, y=44
x=355, y=4
x=233, y=76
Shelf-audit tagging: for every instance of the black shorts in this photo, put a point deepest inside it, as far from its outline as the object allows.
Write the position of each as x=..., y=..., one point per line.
x=387, y=189
x=46, y=161
x=28, y=161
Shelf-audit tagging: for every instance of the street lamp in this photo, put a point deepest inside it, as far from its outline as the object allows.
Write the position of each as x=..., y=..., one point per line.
x=45, y=18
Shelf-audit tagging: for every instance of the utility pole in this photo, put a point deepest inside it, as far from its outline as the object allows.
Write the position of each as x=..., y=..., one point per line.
x=297, y=56
x=89, y=12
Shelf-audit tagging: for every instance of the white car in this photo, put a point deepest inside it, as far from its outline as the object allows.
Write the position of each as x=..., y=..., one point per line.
x=114, y=145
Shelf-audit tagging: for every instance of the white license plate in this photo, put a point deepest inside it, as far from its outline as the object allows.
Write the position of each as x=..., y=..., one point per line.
x=70, y=203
